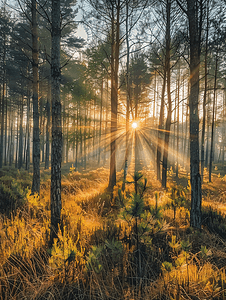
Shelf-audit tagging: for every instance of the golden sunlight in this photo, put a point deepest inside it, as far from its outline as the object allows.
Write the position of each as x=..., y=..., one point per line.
x=134, y=125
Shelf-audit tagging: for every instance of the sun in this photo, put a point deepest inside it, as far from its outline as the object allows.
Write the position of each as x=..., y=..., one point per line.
x=134, y=125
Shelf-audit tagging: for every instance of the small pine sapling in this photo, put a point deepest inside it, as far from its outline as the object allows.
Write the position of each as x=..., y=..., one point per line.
x=177, y=200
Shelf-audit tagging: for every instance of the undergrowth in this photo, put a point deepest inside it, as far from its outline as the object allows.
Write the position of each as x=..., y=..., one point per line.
x=137, y=245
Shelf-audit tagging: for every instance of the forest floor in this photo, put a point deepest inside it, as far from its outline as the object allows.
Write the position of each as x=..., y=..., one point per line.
x=132, y=246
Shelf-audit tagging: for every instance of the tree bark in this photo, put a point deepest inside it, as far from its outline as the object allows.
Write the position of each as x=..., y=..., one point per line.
x=3, y=100
x=6, y=127
x=114, y=92
x=20, y=154
x=76, y=145
x=160, y=126
x=36, y=138
x=178, y=120
x=12, y=138
x=168, y=120
x=47, y=127
x=127, y=95
x=204, y=97
x=84, y=136
x=56, y=155
x=100, y=130
x=195, y=179
x=207, y=135
x=17, y=138
x=213, y=119
x=27, y=160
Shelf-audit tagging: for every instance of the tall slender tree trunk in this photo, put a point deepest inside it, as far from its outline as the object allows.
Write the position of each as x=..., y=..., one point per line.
x=42, y=127
x=3, y=99
x=223, y=128
x=80, y=133
x=67, y=139
x=114, y=92
x=2, y=122
x=76, y=145
x=106, y=125
x=12, y=138
x=6, y=128
x=27, y=161
x=84, y=136
x=63, y=132
x=182, y=119
x=161, y=125
x=100, y=130
x=9, y=132
x=195, y=23
x=90, y=134
x=47, y=126
x=207, y=136
x=36, y=138
x=56, y=155
x=74, y=136
x=155, y=97
x=17, y=138
x=169, y=112
x=213, y=119
x=178, y=120
x=20, y=154
x=174, y=132
x=204, y=97
x=127, y=94
x=186, y=142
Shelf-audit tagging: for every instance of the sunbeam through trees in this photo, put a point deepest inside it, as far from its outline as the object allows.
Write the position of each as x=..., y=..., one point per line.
x=132, y=118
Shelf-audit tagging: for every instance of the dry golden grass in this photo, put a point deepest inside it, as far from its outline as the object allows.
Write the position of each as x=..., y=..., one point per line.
x=29, y=270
